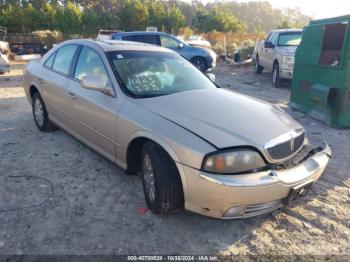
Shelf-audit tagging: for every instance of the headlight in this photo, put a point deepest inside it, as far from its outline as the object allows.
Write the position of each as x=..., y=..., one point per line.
x=288, y=59
x=233, y=161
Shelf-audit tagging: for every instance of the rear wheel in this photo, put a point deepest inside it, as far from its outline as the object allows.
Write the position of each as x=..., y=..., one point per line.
x=276, y=80
x=161, y=181
x=258, y=67
x=41, y=117
x=200, y=63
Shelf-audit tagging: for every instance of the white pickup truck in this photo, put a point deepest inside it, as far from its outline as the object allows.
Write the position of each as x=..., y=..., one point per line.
x=276, y=54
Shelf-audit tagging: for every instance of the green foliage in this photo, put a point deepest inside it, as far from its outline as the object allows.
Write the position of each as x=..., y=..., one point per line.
x=217, y=19
x=133, y=15
x=284, y=25
x=88, y=16
x=48, y=17
x=69, y=18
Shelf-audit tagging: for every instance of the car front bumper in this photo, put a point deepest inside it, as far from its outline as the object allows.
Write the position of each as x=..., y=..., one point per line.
x=241, y=196
x=286, y=71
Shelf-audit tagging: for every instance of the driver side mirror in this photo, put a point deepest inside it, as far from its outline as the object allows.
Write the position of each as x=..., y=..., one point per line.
x=96, y=83
x=181, y=45
x=269, y=45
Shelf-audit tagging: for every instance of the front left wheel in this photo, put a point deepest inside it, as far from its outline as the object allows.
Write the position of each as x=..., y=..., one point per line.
x=161, y=181
x=41, y=117
x=276, y=79
x=200, y=63
x=258, y=67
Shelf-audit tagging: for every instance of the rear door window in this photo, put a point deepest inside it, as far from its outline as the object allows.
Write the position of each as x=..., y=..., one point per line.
x=49, y=61
x=63, y=59
x=148, y=39
x=129, y=38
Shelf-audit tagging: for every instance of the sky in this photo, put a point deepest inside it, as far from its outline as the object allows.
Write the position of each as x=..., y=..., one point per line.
x=314, y=8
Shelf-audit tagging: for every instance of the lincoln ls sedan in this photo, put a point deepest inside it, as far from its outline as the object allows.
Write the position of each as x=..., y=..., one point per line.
x=194, y=145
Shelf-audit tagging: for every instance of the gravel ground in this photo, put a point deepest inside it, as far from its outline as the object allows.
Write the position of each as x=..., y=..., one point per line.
x=60, y=197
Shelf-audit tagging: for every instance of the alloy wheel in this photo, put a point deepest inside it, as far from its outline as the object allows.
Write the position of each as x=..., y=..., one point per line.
x=39, y=112
x=149, y=178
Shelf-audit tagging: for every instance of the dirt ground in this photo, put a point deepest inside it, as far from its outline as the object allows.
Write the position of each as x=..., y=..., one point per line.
x=60, y=197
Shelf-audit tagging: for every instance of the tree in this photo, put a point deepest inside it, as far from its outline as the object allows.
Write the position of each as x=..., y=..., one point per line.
x=174, y=20
x=156, y=13
x=48, y=17
x=69, y=19
x=90, y=21
x=79, y=16
x=284, y=25
x=30, y=18
x=217, y=19
x=13, y=19
x=133, y=15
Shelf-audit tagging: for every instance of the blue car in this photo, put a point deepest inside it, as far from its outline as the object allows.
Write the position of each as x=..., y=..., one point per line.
x=202, y=58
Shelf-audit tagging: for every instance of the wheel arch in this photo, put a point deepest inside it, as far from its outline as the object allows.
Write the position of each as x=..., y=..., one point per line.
x=32, y=90
x=199, y=56
x=134, y=150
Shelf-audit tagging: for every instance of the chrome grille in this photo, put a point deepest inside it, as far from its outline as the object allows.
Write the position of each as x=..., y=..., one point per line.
x=286, y=149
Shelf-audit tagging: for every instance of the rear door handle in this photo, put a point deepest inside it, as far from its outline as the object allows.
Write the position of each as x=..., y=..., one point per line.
x=72, y=95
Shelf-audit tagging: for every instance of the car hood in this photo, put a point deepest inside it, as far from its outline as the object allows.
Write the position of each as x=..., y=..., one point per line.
x=222, y=117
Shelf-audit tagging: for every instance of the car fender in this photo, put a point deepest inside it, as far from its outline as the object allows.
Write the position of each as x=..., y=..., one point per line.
x=29, y=80
x=160, y=141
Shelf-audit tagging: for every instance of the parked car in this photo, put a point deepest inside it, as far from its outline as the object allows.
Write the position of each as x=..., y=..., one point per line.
x=197, y=40
x=202, y=58
x=195, y=146
x=276, y=54
x=105, y=34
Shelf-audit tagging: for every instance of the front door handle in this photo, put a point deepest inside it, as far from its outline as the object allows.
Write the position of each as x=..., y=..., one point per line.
x=72, y=95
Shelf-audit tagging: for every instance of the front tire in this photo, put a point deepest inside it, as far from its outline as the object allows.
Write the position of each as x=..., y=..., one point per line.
x=161, y=181
x=276, y=79
x=200, y=63
x=41, y=117
x=258, y=67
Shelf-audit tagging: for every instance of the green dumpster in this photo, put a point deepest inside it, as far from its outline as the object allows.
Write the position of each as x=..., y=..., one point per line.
x=321, y=80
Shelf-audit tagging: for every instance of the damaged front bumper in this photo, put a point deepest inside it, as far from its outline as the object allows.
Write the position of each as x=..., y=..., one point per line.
x=241, y=196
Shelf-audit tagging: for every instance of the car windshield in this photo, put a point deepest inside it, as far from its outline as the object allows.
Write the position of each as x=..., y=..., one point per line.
x=148, y=73
x=290, y=39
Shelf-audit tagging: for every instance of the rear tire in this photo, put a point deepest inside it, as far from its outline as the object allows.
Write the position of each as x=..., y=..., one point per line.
x=258, y=67
x=41, y=117
x=161, y=181
x=276, y=80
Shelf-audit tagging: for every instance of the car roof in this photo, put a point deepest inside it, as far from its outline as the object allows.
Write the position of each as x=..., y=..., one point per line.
x=140, y=33
x=116, y=45
x=287, y=30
